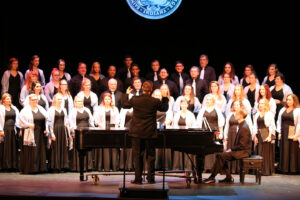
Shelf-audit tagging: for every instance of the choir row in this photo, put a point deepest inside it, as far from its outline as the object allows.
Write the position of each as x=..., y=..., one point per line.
x=54, y=130
x=199, y=77
x=220, y=101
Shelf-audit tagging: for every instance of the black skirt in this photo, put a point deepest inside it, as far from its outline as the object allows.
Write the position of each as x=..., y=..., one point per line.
x=33, y=158
x=59, y=150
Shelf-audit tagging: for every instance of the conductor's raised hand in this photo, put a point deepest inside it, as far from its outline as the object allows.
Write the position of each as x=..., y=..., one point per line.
x=129, y=89
x=164, y=94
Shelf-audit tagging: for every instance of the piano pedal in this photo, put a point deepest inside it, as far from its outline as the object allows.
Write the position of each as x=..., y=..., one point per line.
x=188, y=182
x=96, y=179
x=188, y=179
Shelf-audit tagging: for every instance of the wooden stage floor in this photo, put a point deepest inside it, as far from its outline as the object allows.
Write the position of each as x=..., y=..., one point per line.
x=68, y=186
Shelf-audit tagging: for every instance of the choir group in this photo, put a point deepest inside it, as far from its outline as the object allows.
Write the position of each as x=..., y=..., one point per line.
x=38, y=119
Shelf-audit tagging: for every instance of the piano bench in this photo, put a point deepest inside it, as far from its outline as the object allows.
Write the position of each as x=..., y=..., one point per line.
x=254, y=162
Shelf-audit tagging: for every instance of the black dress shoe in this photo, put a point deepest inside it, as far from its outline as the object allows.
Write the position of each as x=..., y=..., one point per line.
x=151, y=182
x=209, y=180
x=227, y=180
x=136, y=182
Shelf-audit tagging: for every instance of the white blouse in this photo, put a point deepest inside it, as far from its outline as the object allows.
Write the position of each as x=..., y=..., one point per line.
x=221, y=119
x=245, y=102
x=100, y=116
x=220, y=103
x=296, y=115
x=189, y=119
x=269, y=120
x=73, y=115
x=286, y=91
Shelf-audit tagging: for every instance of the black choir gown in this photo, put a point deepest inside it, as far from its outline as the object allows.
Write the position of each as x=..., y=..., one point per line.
x=244, y=83
x=289, y=150
x=180, y=160
x=59, y=147
x=42, y=103
x=96, y=86
x=67, y=105
x=277, y=95
x=212, y=119
x=270, y=83
x=15, y=89
x=8, y=148
x=87, y=103
x=232, y=130
x=265, y=149
x=55, y=90
x=191, y=106
x=33, y=158
x=226, y=95
x=251, y=97
x=82, y=120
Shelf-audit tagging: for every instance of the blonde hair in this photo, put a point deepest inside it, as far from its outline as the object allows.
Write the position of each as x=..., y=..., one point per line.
x=32, y=95
x=212, y=97
x=295, y=99
x=4, y=96
x=76, y=99
x=242, y=96
x=84, y=81
x=54, y=102
x=266, y=107
x=241, y=105
x=168, y=93
x=218, y=92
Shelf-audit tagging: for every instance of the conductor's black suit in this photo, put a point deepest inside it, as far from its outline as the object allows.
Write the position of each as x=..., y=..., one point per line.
x=143, y=130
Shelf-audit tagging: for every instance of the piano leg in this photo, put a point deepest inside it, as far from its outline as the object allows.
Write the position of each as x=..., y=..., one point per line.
x=198, y=170
x=81, y=164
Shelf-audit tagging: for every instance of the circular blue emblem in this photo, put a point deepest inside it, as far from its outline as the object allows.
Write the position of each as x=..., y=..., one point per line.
x=154, y=9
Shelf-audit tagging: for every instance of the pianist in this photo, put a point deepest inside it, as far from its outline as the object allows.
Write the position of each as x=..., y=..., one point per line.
x=143, y=129
x=240, y=149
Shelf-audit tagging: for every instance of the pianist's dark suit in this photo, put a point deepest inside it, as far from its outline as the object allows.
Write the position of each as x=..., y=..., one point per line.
x=209, y=74
x=143, y=129
x=240, y=149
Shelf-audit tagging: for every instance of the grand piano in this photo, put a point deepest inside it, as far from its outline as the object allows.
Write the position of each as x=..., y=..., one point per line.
x=191, y=141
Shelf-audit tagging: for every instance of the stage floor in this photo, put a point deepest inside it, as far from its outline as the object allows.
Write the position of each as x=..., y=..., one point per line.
x=68, y=186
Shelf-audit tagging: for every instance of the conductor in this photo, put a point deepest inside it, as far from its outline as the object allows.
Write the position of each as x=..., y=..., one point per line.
x=143, y=129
